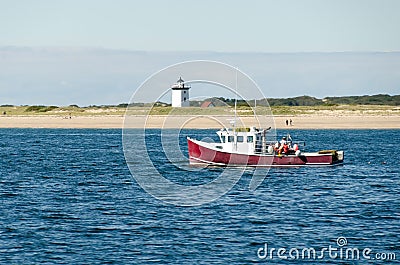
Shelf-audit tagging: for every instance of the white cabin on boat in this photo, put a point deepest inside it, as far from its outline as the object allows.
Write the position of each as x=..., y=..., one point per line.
x=243, y=140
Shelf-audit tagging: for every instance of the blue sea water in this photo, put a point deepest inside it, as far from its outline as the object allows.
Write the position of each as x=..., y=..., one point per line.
x=68, y=197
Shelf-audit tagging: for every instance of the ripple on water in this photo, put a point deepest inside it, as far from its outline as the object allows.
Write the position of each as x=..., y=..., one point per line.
x=67, y=197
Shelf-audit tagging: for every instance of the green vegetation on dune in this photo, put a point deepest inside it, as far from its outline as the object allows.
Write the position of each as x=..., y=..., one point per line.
x=380, y=99
x=226, y=110
x=59, y=111
x=360, y=105
x=332, y=101
x=40, y=108
x=296, y=101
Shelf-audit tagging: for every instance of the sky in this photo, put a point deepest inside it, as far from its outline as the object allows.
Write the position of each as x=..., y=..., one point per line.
x=98, y=52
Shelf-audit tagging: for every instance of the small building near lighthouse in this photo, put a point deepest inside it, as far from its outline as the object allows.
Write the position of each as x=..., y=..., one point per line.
x=180, y=94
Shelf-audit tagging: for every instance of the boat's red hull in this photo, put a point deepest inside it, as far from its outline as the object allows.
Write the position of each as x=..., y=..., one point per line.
x=202, y=154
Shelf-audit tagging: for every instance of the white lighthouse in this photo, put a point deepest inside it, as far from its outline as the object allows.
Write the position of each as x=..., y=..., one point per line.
x=180, y=94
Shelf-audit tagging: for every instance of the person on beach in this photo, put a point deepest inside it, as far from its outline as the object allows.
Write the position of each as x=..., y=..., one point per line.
x=287, y=122
x=291, y=122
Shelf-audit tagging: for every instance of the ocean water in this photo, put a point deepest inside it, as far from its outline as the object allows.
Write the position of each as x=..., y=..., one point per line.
x=68, y=197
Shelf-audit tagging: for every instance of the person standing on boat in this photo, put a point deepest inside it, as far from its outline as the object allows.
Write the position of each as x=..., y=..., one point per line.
x=283, y=146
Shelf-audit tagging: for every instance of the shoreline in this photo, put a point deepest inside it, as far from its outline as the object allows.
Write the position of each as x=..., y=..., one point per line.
x=194, y=122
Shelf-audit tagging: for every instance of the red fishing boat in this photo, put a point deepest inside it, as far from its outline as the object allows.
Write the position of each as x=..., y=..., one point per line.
x=250, y=147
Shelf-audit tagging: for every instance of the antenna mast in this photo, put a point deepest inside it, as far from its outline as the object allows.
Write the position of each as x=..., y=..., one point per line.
x=236, y=81
x=234, y=121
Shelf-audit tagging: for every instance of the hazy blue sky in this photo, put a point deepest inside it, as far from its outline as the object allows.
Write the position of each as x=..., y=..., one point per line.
x=223, y=25
x=98, y=52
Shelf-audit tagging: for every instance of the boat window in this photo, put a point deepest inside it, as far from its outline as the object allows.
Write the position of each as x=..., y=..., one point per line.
x=223, y=138
x=249, y=139
x=230, y=139
x=240, y=139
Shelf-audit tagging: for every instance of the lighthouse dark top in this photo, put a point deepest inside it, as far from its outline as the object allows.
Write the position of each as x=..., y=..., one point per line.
x=180, y=84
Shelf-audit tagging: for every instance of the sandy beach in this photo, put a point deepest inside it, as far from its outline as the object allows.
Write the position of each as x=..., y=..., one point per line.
x=155, y=121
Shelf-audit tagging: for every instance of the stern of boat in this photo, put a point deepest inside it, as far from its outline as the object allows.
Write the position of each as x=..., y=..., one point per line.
x=340, y=156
